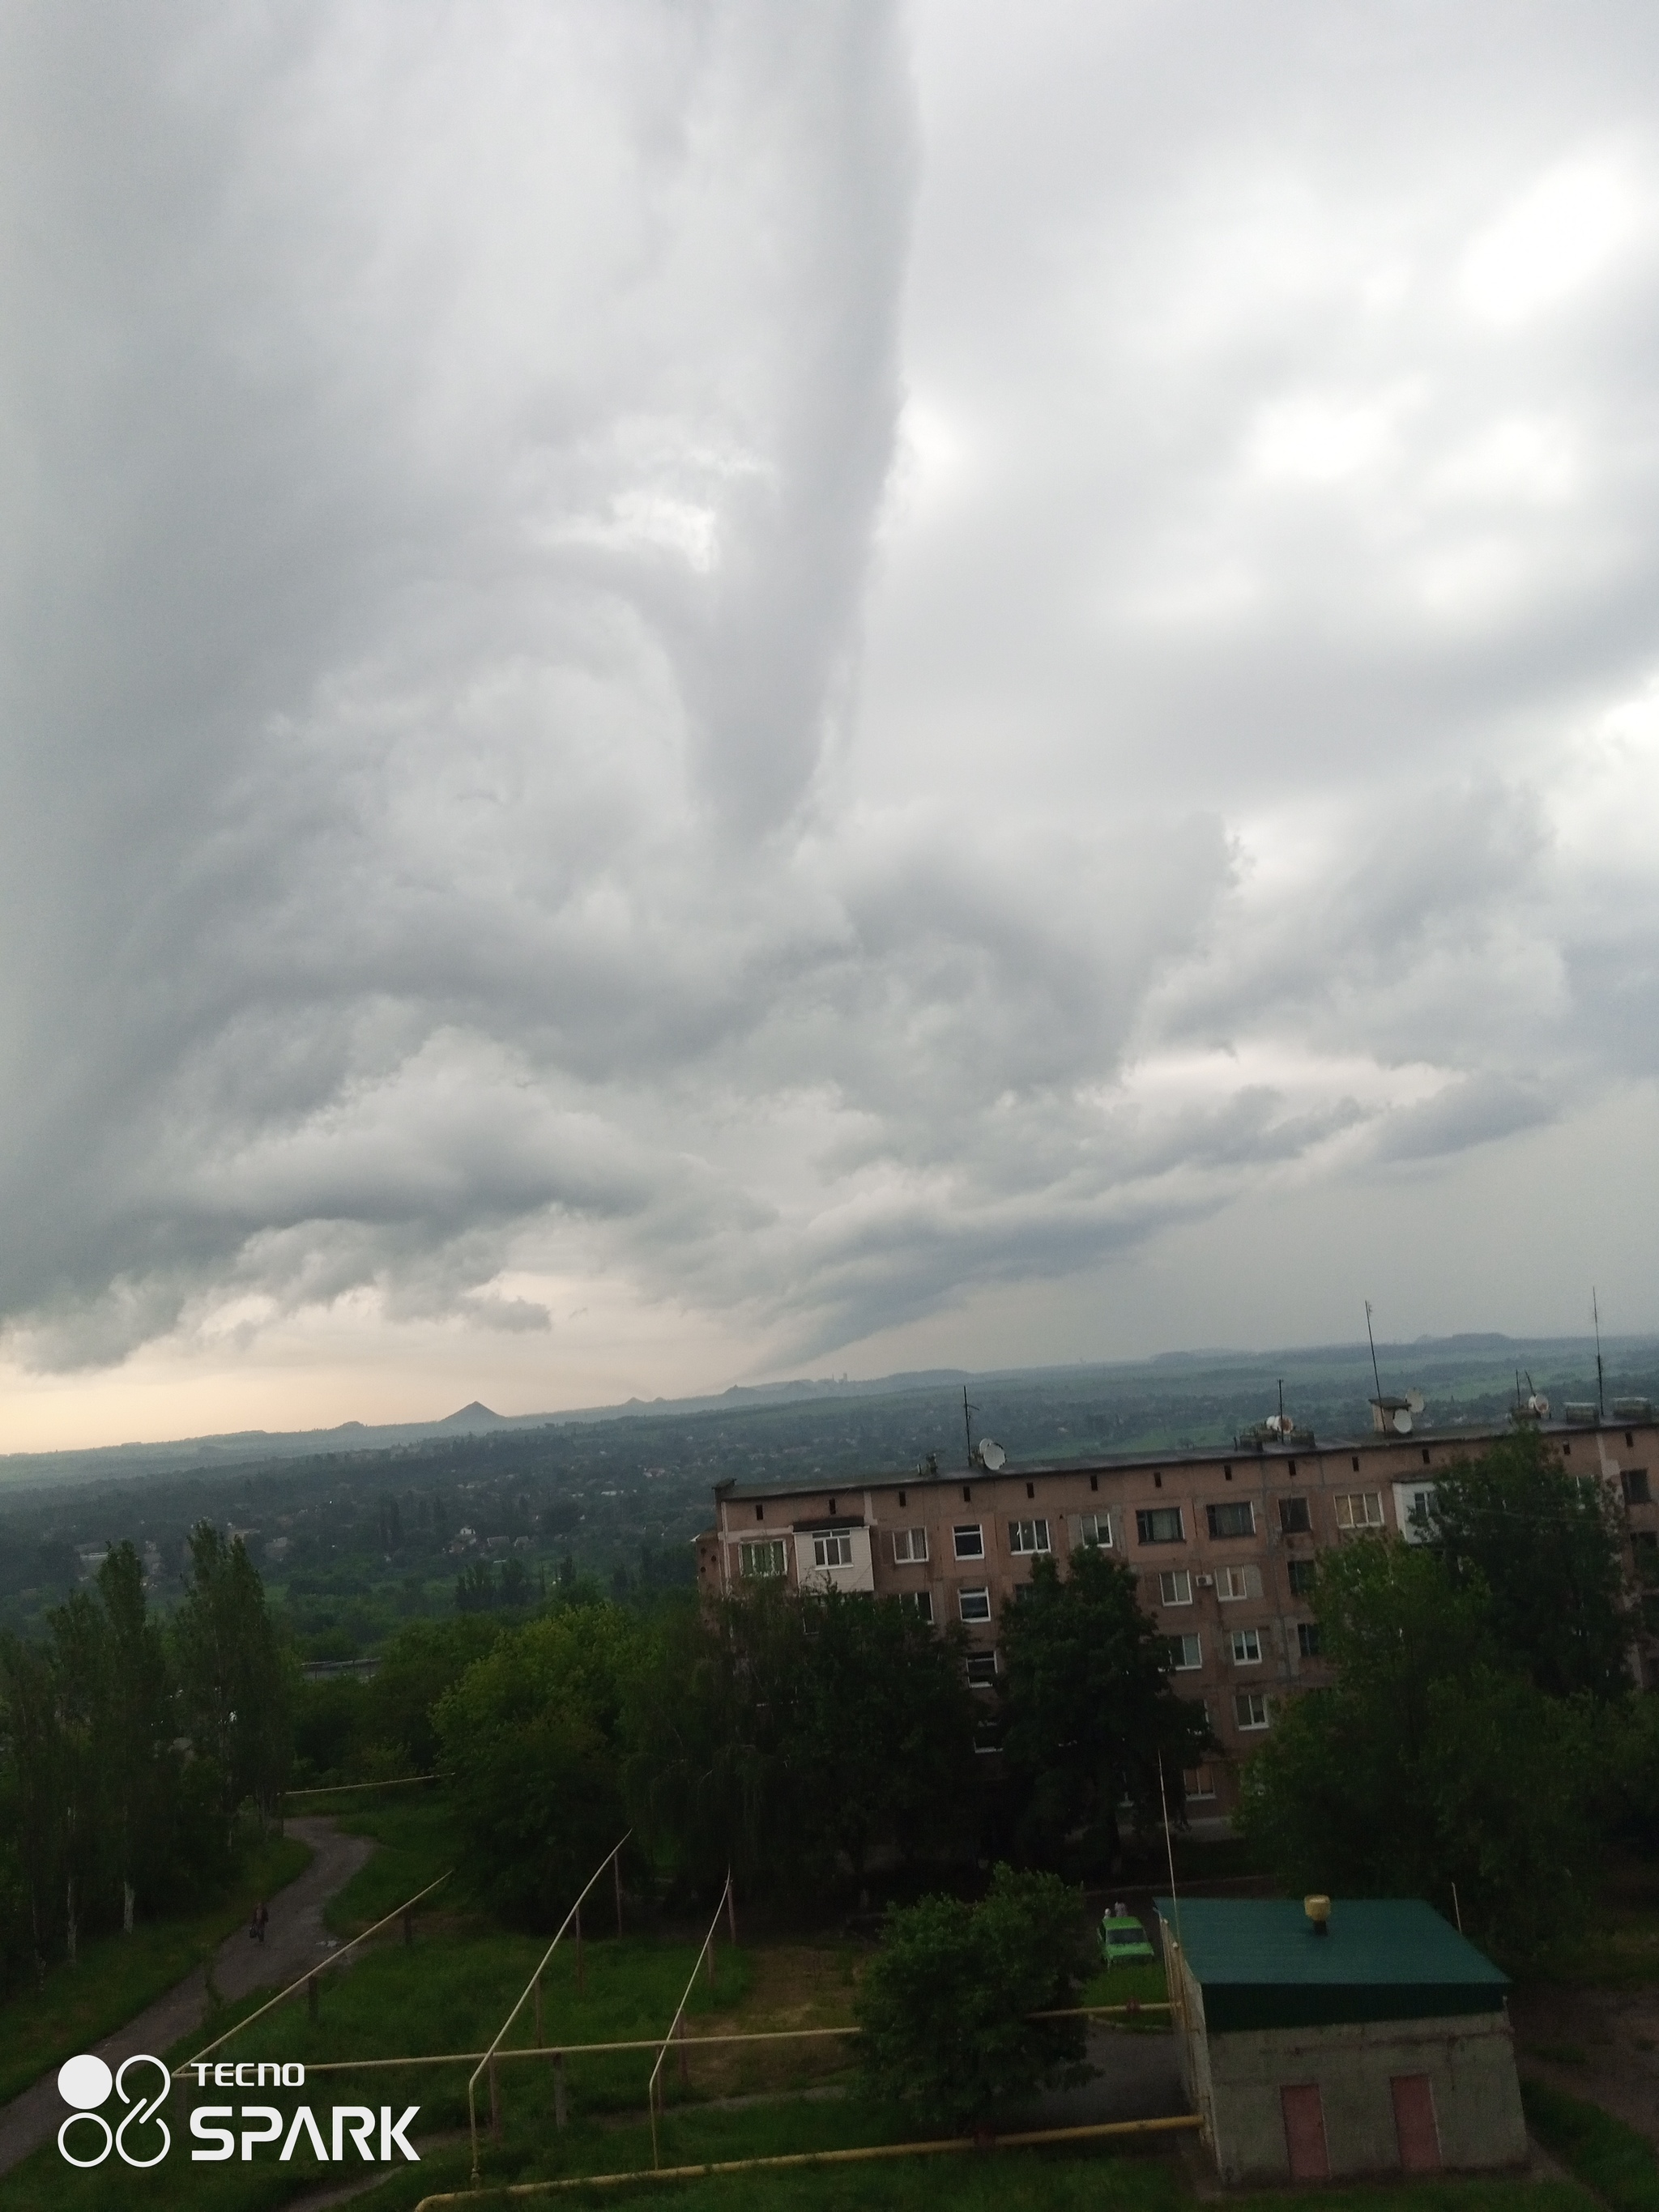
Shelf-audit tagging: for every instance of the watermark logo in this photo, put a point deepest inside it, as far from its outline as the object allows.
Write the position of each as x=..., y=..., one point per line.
x=84, y=2082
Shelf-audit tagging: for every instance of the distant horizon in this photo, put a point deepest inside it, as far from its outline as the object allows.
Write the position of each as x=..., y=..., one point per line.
x=899, y=1380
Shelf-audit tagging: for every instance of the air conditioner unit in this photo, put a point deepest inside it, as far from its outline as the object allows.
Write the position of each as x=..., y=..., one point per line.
x=1205, y=1581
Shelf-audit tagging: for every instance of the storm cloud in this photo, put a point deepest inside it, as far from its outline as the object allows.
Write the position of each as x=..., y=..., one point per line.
x=803, y=663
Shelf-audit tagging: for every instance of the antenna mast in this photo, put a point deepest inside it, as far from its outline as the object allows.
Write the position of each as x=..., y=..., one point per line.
x=1601, y=1401
x=1371, y=1341
x=968, y=1412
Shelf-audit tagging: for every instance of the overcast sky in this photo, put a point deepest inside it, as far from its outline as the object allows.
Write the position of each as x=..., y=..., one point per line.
x=693, y=692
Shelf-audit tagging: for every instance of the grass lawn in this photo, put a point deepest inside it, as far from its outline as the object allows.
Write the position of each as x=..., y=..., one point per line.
x=117, y=1976
x=1619, y=1950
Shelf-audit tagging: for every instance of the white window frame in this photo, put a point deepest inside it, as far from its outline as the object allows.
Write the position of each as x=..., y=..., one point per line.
x=1244, y=1505
x=1037, y=1533
x=1244, y=1646
x=973, y=1549
x=1198, y=1784
x=777, y=1551
x=909, y=1548
x=1174, y=1586
x=826, y=1541
x=1094, y=1531
x=1366, y=1499
x=1180, y=1536
x=1233, y=1583
x=1191, y=1649
x=982, y=1660
x=980, y=1595
x=1250, y=1709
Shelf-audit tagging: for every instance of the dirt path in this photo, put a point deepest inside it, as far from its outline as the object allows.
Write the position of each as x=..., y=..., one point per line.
x=296, y=1938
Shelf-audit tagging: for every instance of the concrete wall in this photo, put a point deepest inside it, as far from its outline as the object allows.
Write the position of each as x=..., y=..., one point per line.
x=1469, y=2061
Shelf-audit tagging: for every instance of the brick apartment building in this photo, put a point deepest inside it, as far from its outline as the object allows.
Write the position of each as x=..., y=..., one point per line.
x=1223, y=1543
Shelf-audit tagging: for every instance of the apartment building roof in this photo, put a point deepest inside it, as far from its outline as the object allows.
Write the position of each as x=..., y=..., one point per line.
x=1298, y=1445
x=1260, y=1963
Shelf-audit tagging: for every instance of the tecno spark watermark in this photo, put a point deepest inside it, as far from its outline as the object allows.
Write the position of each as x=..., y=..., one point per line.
x=84, y=2083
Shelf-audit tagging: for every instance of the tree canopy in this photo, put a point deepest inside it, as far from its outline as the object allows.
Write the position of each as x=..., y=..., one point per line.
x=1433, y=1767
x=1089, y=1710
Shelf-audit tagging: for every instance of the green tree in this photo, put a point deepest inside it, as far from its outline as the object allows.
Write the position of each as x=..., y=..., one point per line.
x=945, y=2006
x=883, y=1728
x=141, y=1768
x=1088, y=1711
x=36, y=1774
x=236, y=1678
x=1433, y=1766
x=420, y=1662
x=1549, y=1551
x=530, y=1735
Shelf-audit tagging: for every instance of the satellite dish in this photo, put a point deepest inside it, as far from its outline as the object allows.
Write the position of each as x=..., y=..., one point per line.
x=1414, y=1400
x=990, y=1455
x=1539, y=1404
x=1402, y=1423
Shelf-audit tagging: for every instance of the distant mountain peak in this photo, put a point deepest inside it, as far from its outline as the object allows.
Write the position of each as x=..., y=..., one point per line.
x=475, y=1416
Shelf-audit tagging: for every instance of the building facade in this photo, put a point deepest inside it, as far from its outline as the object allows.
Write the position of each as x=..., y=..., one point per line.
x=1375, y=2042
x=1223, y=1544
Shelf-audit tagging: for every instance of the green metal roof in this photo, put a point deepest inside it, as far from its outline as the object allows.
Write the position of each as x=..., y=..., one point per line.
x=1260, y=1965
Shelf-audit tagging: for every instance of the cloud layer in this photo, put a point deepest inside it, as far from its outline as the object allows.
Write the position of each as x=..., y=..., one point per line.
x=798, y=662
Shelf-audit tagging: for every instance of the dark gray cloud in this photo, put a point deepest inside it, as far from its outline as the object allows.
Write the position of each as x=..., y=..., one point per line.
x=801, y=662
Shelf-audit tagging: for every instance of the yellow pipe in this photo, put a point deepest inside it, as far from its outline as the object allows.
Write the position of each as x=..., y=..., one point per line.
x=1178, y=2124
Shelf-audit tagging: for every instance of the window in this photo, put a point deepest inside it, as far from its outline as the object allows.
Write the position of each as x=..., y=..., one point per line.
x=833, y=1549
x=1354, y=1462
x=982, y=1670
x=1244, y=1647
x=974, y=1604
x=758, y=1559
x=1232, y=1520
x=1198, y=1782
x=1307, y=1638
x=1238, y=1581
x=1294, y=1518
x=1185, y=1653
x=1174, y=1588
x=1095, y=1531
x=1094, y=1479
x=969, y=1541
x=909, y=1548
x=1028, y=1536
x=985, y=1740
x=1362, y=1509
x=1635, y=1481
x=1160, y=1525
x=1303, y=1574
x=1250, y=1710
x=760, y=1513
x=921, y=1602
x=1031, y=1490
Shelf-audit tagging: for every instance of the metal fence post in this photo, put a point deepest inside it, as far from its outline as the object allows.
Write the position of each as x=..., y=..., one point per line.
x=685, y=2056
x=494, y=2103
x=730, y=1909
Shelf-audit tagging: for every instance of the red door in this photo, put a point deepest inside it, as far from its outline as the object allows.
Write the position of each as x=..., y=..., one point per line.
x=1414, y=2123
x=1304, y=2131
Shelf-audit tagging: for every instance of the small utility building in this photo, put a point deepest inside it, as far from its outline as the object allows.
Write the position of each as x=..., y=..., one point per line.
x=1359, y=2036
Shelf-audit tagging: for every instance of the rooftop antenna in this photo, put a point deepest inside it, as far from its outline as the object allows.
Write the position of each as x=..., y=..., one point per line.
x=1371, y=1341
x=1281, y=1405
x=968, y=1412
x=1595, y=1312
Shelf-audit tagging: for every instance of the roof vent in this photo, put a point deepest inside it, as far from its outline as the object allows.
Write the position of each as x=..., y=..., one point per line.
x=1318, y=1910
